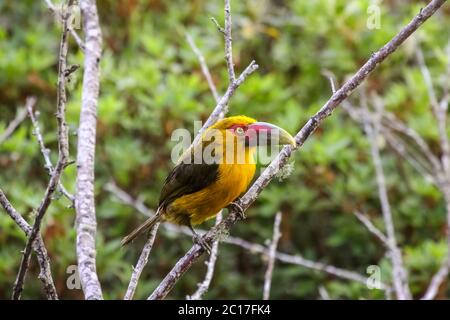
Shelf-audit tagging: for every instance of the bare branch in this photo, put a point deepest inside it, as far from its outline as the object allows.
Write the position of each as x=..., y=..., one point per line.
x=440, y=113
x=228, y=42
x=86, y=222
x=421, y=158
x=46, y=153
x=219, y=28
x=210, y=265
x=271, y=257
x=127, y=199
x=370, y=226
x=16, y=216
x=74, y=34
x=204, y=67
x=390, y=121
x=331, y=79
x=442, y=274
x=45, y=274
x=429, y=166
x=63, y=156
x=300, y=261
x=414, y=158
x=77, y=39
x=12, y=126
x=143, y=259
x=400, y=275
x=220, y=109
x=437, y=280
x=324, y=295
x=196, y=251
x=443, y=104
x=427, y=78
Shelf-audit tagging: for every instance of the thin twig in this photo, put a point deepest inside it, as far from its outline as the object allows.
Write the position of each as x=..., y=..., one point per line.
x=413, y=157
x=433, y=174
x=196, y=251
x=418, y=153
x=210, y=265
x=124, y=197
x=86, y=222
x=439, y=110
x=390, y=121
x=271, y=258
x=324, y=295
x=143, y=259
x=437, y=280
x=77, y=39
x=371, y=227
x=46, y=152
x=45, y=274
x=228, y=42
x=12, y=126
x=219, y=28
x=301, y=261
x=74, y=34
x=63, y=156
x=331, y=79
x=421, y=158
x=391, y=124
x=417, y=157
x=443, y=104
x=222, y=103
x=400, y=275
x=204, y=67
x=220, y=108
x=440, y=113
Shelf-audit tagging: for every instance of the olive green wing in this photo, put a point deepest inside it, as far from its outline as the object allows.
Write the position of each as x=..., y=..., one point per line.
x=187, y=178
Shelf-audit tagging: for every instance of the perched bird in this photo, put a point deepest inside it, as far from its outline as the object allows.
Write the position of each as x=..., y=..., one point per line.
x=213, y=173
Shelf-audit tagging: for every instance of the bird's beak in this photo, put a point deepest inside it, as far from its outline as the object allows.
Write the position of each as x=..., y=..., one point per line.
x=268, y=133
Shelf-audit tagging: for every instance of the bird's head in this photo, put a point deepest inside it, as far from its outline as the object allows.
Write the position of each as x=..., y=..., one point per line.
x=254, y=133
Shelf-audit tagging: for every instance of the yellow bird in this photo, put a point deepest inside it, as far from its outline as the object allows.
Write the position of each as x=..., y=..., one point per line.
x=212, y=174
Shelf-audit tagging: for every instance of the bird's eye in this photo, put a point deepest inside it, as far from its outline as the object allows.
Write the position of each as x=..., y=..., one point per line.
x=239, y=131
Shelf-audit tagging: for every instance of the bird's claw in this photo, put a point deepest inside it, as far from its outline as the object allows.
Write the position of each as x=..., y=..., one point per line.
x=198, y=239
x=238, y=208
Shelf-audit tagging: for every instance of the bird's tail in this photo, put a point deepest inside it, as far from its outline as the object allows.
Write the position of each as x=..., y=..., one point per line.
x=142, y=228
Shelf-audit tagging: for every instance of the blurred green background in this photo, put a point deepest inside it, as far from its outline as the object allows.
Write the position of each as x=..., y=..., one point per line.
x=151, y=84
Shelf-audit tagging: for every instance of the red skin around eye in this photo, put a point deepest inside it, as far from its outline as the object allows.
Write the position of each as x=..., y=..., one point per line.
x=248, y=134
x=235, y=126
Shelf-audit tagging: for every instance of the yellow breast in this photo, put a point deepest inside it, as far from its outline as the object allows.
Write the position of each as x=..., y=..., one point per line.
x=233, y=180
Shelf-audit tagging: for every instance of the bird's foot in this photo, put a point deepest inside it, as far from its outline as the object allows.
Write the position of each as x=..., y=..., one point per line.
x=238, y=208
x=198, y=239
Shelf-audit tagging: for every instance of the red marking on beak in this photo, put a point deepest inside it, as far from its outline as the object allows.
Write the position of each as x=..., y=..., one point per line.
x=271, y=132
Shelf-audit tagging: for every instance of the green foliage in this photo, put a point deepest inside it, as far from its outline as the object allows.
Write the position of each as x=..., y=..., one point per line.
x=152, y=84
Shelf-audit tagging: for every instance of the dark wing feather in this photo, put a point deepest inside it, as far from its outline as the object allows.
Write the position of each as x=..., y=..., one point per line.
x=187, y=178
